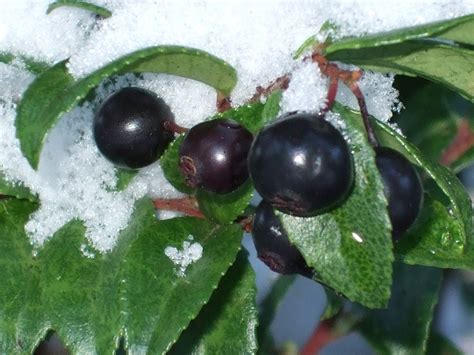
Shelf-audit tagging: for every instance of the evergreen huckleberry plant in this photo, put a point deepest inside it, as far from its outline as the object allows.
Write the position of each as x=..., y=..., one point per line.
x=135, y=161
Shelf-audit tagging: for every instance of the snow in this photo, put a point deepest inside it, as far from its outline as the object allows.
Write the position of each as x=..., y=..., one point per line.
x=256, y=38
x=190, y=253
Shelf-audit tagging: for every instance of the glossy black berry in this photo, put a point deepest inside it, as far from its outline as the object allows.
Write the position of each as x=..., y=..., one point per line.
x=301, y=164
x=402, y=187
x=273, y=246
x=213, y=155
x=128, y=128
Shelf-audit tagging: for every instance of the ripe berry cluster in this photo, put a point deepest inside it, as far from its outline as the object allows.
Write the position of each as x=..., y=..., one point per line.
x=300, y=164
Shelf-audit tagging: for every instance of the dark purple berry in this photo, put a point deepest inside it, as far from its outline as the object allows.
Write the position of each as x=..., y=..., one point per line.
x=301, y=164
x=128, y=127
x=213, y=155
x=273, y=246
x=402, y=187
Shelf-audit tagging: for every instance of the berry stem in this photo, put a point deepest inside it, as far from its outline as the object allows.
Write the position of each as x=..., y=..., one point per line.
x=331, y=96
x=174, y=127
x=186, y=205
x=372, y=138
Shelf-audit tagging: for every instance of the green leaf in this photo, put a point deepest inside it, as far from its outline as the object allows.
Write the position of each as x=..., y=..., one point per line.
x=227, y=324
x=272, y=107
x=448, y=65
x=462, y=32
x=334, y=304
x=248, y=115
x=440, y=345
x=31, y=64
x=98, y=10
x=446, y=244
x=434, y=240
x=225, y=208
x=169, y=162
x=124, y=176
x=132, y=291
x=351, y=247
x=16, y=190
x=403, y=328
x=420, y=58
x=448, y=29
x=55, y=92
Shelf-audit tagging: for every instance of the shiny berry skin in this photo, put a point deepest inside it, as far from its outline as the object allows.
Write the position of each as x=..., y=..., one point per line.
x=128, y=128
x=402, y=187
x=273, y=246
x=213, y=155
x=301, y=164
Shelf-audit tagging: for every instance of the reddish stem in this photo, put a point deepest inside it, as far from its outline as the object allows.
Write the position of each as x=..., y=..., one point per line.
x=186, y=205
x=372, y=138
x=331, y=96
x=463, y=140
x=174, y=127
x=322, y=335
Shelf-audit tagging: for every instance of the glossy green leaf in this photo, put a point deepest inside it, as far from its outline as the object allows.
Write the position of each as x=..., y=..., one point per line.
x=55, y=92
x=133, y=290
x=448, y=29
x=225, y=208
x=448, y=65
x=434, y=240
x=227, y=324
x=32, y=65
x=17, y=190
x=403, y=328
x=448, y=244
x=440, y=345
x=98, y=10
x=248, y=115
x=351, y=247
x=169, y=162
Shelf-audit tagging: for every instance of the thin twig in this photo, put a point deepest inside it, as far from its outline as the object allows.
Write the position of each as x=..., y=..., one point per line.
x=172, y=126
